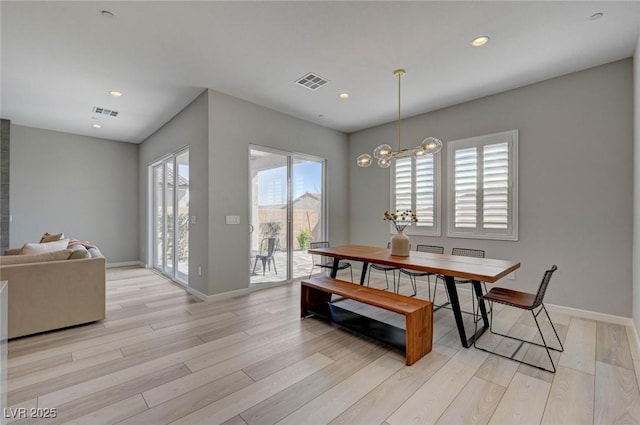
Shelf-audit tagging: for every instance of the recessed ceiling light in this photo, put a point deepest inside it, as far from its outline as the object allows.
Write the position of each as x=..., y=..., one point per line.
x=115, y=93
x=96, y=126
x=480, y=41
x=596, y=16
x=107, y=14
x=344, y=95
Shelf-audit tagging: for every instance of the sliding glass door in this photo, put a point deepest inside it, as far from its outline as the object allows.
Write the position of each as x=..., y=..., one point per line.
x=286, y=213
x=170, y=209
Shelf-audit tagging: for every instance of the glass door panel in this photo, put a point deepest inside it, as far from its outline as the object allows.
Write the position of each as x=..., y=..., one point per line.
x=170, y=216
x=182, y=229
x=269, y=179
x=158, y=217
x=286, y=203
x=307, y=212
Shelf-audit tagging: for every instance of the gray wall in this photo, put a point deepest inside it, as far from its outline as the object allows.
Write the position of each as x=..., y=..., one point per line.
x=575, y=189
x=233, y=125
x=188, y=128
x=83, y=186
x=636, y=189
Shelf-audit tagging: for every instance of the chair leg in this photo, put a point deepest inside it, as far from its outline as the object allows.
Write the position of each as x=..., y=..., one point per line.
x=351, y=270
x=255, y=264
x=414, y=285
x=274, y=266
x=543, y=345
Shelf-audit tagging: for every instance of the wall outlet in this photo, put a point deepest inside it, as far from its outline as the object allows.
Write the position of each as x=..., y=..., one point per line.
x=511, y=276
x=199, y=271
x=193, y=219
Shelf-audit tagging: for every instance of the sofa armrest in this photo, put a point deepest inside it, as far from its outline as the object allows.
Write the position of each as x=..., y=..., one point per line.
x=13, y=251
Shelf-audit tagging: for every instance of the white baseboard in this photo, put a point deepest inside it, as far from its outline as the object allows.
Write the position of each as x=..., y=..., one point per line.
x=216, y=297
x=593, y=315
x=125, y=264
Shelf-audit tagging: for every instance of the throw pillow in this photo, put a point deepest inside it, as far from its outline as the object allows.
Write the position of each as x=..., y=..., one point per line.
x=50, y=237
x=39, y=248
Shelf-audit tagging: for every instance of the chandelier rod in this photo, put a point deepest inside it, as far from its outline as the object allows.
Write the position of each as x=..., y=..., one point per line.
x=399, y=73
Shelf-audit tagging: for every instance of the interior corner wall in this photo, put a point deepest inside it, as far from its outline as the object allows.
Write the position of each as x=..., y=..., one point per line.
x=83, y=186
x=636, y=188
x=188, y=128
x=234, y=124
x=575, y=182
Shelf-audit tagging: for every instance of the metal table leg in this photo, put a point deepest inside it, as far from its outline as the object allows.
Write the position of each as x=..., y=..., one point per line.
x=457, y=312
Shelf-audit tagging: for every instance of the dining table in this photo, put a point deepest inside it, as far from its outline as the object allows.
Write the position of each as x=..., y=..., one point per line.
x=451, y=267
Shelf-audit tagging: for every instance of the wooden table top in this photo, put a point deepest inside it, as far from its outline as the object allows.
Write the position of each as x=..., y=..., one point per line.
x=481, y=269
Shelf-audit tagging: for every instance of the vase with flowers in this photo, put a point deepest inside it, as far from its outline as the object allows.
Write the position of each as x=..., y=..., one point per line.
x=400, y=220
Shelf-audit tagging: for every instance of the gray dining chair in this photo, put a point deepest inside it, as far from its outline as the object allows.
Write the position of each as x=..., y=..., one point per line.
x=326, y=263
x=384, y=268
x=434, y=249
x=465, y=252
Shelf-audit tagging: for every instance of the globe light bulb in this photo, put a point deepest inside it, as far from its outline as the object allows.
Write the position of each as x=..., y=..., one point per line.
x=364, y=160
x=382, y=151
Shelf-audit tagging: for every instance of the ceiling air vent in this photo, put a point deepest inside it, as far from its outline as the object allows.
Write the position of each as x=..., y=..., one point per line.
x=312, y=81
x=105, y=111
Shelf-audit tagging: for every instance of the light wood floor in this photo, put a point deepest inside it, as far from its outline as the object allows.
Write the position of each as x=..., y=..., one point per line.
x=163, y=357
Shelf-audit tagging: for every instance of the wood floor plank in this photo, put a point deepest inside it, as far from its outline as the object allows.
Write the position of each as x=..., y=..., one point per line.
x=617, y=400
x=113, y=413
x=336, y=400
x=92, y=402
x=232, y=361
x=523, y=402
x=498, y=370
x=97, y=384
x=348, y=360
x=580, y=346
x=571, y=398
x=231, y=405
x=426, y=405
x=474, y=405
x=612, y=345
x=49, y=373
x=383, y=400
x=84, y=343
x=191, y=401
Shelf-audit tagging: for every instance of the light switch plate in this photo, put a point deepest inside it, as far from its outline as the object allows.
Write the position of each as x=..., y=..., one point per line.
x=233, y=219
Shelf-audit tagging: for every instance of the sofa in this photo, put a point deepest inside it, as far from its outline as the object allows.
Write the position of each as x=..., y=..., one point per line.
x=53, y=289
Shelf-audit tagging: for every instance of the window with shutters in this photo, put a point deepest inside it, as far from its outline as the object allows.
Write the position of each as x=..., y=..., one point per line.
x=483, y=187
x=415, y=185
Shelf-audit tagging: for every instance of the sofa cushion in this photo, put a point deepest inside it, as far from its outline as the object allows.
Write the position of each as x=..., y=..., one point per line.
x=39, y=248
x=63, y=254
x=51, y=237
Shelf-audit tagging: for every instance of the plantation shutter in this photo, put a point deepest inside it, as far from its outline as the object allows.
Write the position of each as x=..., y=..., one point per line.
x=483, y=186
x=495, y=201
x=425, y=191
x=403, y=184
x=466, y=187
x=415, y=186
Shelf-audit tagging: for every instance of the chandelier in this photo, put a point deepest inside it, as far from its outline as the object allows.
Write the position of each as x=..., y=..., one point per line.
x=385, y=154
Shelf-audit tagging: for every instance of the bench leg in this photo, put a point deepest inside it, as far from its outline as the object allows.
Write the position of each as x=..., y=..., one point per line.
x=419, y=334
x=311, y=297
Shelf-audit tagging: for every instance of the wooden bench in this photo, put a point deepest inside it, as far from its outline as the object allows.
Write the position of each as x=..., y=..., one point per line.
x=416, y=340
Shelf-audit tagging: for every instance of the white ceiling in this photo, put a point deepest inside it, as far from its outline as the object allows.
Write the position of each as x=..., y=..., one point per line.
x=59, y=59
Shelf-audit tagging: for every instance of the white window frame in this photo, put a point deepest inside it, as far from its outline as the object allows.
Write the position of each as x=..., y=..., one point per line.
x=434, y=230
x=511, y=233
